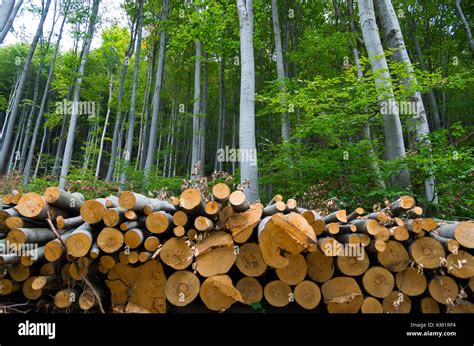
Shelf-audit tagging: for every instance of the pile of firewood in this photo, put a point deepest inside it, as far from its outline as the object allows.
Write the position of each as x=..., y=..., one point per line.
x=133, y=253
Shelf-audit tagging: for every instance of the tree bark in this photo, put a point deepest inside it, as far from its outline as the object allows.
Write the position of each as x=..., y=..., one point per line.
x=470, y=40
x=7, y=16
x=196, y=120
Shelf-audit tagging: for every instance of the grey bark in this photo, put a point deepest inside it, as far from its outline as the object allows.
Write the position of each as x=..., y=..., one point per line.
x=104, y=130
x=6, y=9
x=77, y=93
x=6, y=25
x=394, y=143
x=467, y=28
x=23, y=77
x=222, y=114
x=247, y=141
x=203, y=117
x=195, y=163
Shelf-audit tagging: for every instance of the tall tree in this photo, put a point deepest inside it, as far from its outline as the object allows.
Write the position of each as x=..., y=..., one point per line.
x=465, y=23
x=19, y=92
x=394, y=39
x=196, y=108
x=247, y=141
x=8, y=12
x=394, y=143
x=150, y=157
x=77, y=94
x=131, y=116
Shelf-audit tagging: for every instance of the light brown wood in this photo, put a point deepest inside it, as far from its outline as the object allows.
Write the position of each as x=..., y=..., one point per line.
x=108, y=261
x=396, y=302
x=203, y=224
x=140, y=222
x=238, y=201
x=114, y=216
x=461, y=265
x=307, y=294
x=182, y=288
x=367, y=226
x=463, y=232
x=144, y=256
x=276, y=198
x=411, y=282
x=71, y=222
x=401, y=205
x=250, y=261
x=87, y=300
x=80, y=241
x=243, y=224
x=415, y=213
x=151, y=243
x=221, y=192
x=40, y=282
x=429, y=224
x=337, y=216
x=191, y=234
x=378, y=282
x=66, y=297
x=291, y=205
x=158, y=205
x=94, y=252
x=399, y=233
x=92, y=211
x=395, y=258
x=218, y=293
x=64, y=200
x=19, y=272
x=180, y=218
x=20, y=222
x=159, y=222
x=110, y=240
x=29, y=292
x=191, y=200
x=429, y=306
x=427, y=252
x=383, y=233
x=449, y=245
x=414, y=226
x=295, y=271
x=212, y=209
x=443, y=289
x=134, y=237
x=215, y=254
x=33, y=206
x=342, y=295
x=355, y=214
x=250, y=289
x=353, y=265
x=8, y=286
x=277, y=293
x=332, y=228
x=315, y=220
x=131, y=215
x=30, y=235
x=179, y=231
x=278, y=207
x=112, y=202
x=177, y=253
x=378, y=216
x=371, y=305
x=320, y=267
x=79, y=268
x=377, y=245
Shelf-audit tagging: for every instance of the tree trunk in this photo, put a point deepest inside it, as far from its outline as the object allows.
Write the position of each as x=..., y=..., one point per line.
x=203, y=117
x=104, y=130
x=21, y=85
x=195, y=157
x=470, y=40
x=7, y=16
x=247, y=142
x=394, y=143
x=222, y=114
x=77, y=93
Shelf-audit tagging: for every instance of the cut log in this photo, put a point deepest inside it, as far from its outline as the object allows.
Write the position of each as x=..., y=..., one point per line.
x=353, y=265
x=307, y=294
x=396, y=221
x=371, y=305
x=63, y=199
x=411, y=282
x=92, y=211
x=32, y=256
x=87, y=299
x=449, y=245
x=130, y=215
x=43, y=281
x=191, y=234
x=218, y=293
x=415, y=213
x=367, y=226
x=337, y=216
x=108, y=261
x=332, y=228
x=179, y=231
x=395, y=258
x=399, y=233
x=429, y=224
x=396, y=302
x=134, y=237
x=28, y=290
x=277, y=293
x=221, y=193
x=401, y=205
x=250, y=289
x=66, y=297
x=238, y=201
x=342, y=295
x=94, y=252
x=463, y=232
x=349, y=228
x=158, y=205
x=180, y=218
x=415, y=225
x=320, y=267
x=355, y=214
x=30, y=235
x=212, y=209
x=110, y=240
x=159, y=222
x=9, y=259
x=295, y=271
x=144, y=256
x=203, y=224
x=242, y=225
x=427, y=252
x=33, y=206
x=133, y=200
x=276, y=198
x=140, y=222
x=378, y=216
x=329, y=246
x=151, y=243
x=191, y=201
x=112, y=202
x=429, y=306
x=291, y=205
x=250, y=261
x=461, y=265
x=443, y=289
x=215, y=254
x=62, y=223
x=177, y=253
x=19, y=272
x=378, y=282
x=79, y=268
x=80, y=241
x=383, y=233
x=114, y=216
x=278, y=207
x=315, y=220
x=8, y=286
x=182, y=288
x=21, y=222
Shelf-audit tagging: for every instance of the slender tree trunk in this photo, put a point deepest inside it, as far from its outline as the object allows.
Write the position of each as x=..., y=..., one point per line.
x=104, y=130
x=394, y=39
x=131, y=116
x=247, y=142
x=285, y=125
x=150, y=157
x=23, y=77
x=394, y=143
x=77, y=93
x=222, y=115
x=470, y=40
x=45, y=129
x=196, y=108
x=6, y=24
x=203, y=117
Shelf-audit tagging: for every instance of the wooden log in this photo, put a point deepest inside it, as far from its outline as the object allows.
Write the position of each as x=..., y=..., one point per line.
x=358, y=212
x=30, y=235
x=158, y=205
x=177, y=253
x=463, y=232
x=79, y=268
x=53, y=250
x=295, y=271
x=8, y=286
x=140, y=222
x=415, y=213
x=395, y=258
x=92, y=211
x=342, y=295
x=130, y=215
x=414, y=226
x=29, y=292
x=64, y=200
x=364, y=239
x=221, y=193
x=9, y=259
x=110, y=240
x=401, y=205
x=411, y=282
x=383, y=233
x=21, y=222
x=461, y=265
x=108, y=261
x=43, y=281
x=371, y=305
x=367, y=226
x=250, y=289
x=396, y=221
x=175, y=202
x=396, y=302
x=429, y=306
x=32, y=256
x=94, y=252
x=7, y=199
x=151, y=243
x=462, y=308
x=179, y=231
x=6, y=213
x=212, y=209
x=399, y=233
x=180, y=218
x=203, y=224
x=33, y=206
x=291, y=205
x=241, y=225
x=238, y=201
x=379, y=216
x=134, y=237
x=114, y=216
x=376, y=245
x=429, y=224
x=315, y=220
x=277, y=293
x=307, y=294
x=443, y=289
x=278, y=207
x=133, y=257
x=144, y=256
x=353, y=265
x=182, y=288
x=218, y=293
x=87, y=299
x=250, y=261
x=19, y=272
x=80, y=241
x=349, y=228
x=427, y=252
x=191, y=234
x=332, y=228
x=159, y=222
x=62, y=223
x=133, y=200
x=276, y=198
x=66, y=297
x=215, y=254
x=112, y=202
x=378, y=282
x=191, y=201
x=329, y=246
x=337, y=216
x=319, y=266
x=449, y=245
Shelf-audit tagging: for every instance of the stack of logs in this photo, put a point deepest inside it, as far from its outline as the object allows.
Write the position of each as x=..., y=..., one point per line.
x=133, y=253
